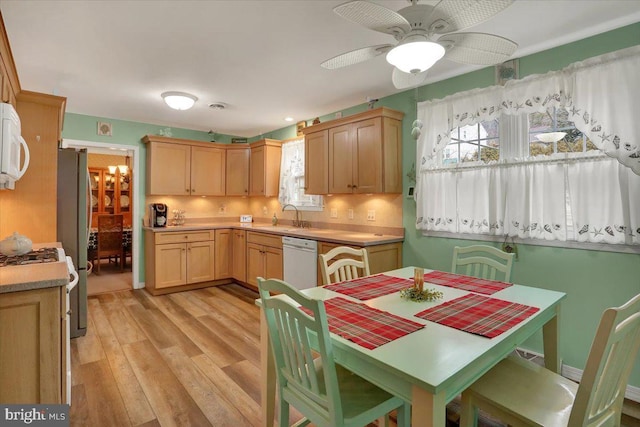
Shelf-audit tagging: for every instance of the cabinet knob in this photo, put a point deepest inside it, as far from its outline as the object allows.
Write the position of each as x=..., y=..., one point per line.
x=348, y=185
x=69, y=312
x=186, y=237
x=187, y=190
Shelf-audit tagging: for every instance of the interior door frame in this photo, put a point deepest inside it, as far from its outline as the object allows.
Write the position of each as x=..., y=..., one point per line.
x=94, y=147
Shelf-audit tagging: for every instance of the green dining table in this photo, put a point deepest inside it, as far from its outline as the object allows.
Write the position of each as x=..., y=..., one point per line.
x=433, y=365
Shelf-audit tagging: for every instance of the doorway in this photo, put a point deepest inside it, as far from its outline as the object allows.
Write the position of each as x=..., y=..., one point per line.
x=109, y=280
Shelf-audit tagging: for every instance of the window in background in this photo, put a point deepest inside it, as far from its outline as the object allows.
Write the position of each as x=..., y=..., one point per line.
x=292, y=178
x=477, y=141
x=556, y=119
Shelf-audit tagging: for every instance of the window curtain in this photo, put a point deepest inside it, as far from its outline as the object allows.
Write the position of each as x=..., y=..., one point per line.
x=291, y=188
x=527, y=197
x=600, y=93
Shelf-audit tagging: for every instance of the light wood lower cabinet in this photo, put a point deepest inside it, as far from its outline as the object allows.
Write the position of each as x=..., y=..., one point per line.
x=383, y=257
x=239, y=255
x=264, y=257
x=178, y=259
x=32, y=350
x=223, y=254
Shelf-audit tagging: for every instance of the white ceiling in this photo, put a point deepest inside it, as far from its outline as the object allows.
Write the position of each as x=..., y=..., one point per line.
x=114, y=58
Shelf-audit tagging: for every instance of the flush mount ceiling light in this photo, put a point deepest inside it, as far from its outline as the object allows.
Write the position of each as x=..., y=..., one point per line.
x=179, y=100
x=550, y=137
x=415, y=54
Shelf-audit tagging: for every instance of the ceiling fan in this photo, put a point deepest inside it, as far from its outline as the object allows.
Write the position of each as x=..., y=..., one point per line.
x=424, y=35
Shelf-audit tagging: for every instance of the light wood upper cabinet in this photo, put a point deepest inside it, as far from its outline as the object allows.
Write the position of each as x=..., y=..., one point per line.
x=183, y=168
x=207, y=171
x=363, y=154
x=237, y=171
x=264, y=168
x=316, y=162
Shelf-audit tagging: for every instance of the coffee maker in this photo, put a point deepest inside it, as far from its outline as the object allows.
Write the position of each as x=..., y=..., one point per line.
x=158, y=214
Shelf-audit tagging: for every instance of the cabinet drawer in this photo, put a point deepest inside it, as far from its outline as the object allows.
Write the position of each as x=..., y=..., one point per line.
x=193, y=236
x=264, y=239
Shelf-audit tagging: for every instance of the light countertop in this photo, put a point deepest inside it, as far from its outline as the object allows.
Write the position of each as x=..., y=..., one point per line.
x=347, y=237
x=34, y=276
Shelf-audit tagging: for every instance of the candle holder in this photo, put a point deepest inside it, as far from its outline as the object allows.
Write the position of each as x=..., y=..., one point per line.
x=417, y=292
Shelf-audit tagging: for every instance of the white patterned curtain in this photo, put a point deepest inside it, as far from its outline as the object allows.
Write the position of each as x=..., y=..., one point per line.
x=600, y=193
x=528, y=197
x=292, y=177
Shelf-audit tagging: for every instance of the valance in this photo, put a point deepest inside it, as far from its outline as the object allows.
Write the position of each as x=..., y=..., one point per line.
x=602, y=95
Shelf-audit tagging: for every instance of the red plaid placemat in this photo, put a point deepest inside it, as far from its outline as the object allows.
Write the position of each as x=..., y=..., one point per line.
x=366, y=326
x=467, y=283
x=369, y=287
x=478, y=314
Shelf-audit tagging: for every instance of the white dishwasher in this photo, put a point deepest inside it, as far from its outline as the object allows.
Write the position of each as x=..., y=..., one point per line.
x=300, y=262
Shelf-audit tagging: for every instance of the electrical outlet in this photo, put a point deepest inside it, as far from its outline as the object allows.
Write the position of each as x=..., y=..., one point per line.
x=334, y=213
x=265, y=212
x=350, y=213
x=371, y=215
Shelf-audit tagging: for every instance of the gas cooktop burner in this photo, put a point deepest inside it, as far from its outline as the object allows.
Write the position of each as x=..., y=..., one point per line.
x=38, y=256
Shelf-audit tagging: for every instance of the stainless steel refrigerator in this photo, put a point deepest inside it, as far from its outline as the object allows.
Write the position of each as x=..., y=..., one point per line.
x=73, y=228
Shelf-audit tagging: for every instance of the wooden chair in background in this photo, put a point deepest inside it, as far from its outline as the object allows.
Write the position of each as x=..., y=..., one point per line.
x=110, y=234
x=522, y=393
x=327, y=394
x=483, y=262
x=337, y=268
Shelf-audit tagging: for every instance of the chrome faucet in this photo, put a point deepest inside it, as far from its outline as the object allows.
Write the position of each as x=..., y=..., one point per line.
x=296, y=222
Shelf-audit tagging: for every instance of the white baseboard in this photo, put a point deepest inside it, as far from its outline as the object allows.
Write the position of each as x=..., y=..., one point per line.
x=575, y=374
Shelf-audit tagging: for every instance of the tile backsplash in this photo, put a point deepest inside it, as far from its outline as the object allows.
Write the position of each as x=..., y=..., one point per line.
x=386, y=208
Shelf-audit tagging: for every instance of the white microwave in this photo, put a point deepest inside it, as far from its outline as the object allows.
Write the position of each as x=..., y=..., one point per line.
x=10, y=143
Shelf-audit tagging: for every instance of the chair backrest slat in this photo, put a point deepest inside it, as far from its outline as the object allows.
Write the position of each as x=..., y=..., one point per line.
x=482, y=261
x=336, y=267
x=308, y=377
x=613, y=352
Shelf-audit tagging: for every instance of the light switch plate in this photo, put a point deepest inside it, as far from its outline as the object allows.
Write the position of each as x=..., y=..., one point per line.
x=371, y=215
x=246, y=218
x=334, y=213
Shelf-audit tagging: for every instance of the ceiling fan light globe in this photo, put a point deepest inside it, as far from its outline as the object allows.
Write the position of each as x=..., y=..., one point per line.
x=179, y=100
x=415, y=57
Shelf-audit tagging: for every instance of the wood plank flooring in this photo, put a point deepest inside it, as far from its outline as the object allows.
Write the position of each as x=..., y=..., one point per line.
x=185, y=359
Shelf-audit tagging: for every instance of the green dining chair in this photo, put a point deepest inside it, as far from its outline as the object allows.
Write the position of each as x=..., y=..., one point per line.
x=326, y=393
x=522, y=393
x=482, y=261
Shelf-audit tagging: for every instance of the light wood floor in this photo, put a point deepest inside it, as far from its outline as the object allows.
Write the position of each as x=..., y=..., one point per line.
x=185, y=359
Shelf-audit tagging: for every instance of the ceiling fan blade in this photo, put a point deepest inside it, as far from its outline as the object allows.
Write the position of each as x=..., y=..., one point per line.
x=402, y=80
x=477, y=48
x=356, y=56
x=374, y=17
x=456, y=15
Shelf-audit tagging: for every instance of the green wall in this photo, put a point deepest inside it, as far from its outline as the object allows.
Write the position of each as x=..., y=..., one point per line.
x=592, y=280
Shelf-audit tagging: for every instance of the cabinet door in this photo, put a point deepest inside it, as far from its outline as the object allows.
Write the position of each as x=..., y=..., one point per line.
x=392, y=155
x=171, y=265
x=30, y=354
x=239, y=255
x=168, y=169
x=316, y=168
x=340, y=160
x=273, y=263
x=255, y=263
x=223, y=245
x=207, y=171
x=367, y=156
x=237, y=171
x=257, y=171
x=200, y=262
